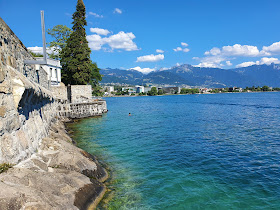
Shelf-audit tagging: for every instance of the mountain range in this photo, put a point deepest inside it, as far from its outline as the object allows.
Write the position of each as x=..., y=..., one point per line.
x=187, y=75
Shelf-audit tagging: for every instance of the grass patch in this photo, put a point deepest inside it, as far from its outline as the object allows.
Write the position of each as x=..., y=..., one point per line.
x=4, y=167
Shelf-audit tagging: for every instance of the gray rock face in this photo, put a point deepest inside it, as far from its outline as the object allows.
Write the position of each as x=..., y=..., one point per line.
x=26, y=112
x=53, y=178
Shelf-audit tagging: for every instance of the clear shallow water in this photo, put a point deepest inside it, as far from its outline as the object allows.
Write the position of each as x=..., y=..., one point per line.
x=218, y=151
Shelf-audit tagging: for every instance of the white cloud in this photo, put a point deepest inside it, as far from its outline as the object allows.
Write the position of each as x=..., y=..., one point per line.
x=150, y=58
x=228, y=63
x=99, y=31
x=118, y=11
x=95, y=42
x=269, y=61
x=213, y=51
x=96, y=15
x=178, y=49
x=159, y=51
x=185, y=49
x=246, y=64
x=264, y=60
x=215, y=56
x=143, y=70
x=184, y=44
x=273, y=49
x=196, y=58
x=120, y=41
x=211, y=61
x=207, y=65
x=235, y=50
x=39, y=50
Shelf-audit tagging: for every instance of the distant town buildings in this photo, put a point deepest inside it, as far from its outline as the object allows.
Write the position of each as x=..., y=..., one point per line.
x=235, y=89
x=130, y=90
x=109, y=89
x=170, y=90
x=140, y=89
x=155, y=90
x=205, y=90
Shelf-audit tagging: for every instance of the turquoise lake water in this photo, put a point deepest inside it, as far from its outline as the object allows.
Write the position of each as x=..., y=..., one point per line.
x=218, y=151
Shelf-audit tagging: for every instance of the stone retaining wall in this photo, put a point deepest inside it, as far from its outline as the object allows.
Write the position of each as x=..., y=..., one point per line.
x=82, y=110
x=13, y=53
x=26, y=112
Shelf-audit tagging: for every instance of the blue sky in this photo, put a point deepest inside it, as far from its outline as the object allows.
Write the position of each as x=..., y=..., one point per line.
x=153, y=34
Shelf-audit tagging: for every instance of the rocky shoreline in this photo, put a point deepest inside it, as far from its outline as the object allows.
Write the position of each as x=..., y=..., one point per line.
x=58, y=176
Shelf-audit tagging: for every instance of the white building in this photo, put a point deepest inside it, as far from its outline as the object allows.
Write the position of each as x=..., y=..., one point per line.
x=140, y=89
x=130, y=90
x=109, y=89
x=53, y=69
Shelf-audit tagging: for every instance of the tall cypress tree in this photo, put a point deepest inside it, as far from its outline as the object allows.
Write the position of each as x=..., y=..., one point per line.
x=77, y=67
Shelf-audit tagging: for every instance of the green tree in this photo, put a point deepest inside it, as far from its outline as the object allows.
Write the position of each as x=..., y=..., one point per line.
x=60, y=34
x=160, y=92
x=265, y=88
x=153, y=91
x=189, y=91
x=97, y=91
x=35, y=54
x=77, y=67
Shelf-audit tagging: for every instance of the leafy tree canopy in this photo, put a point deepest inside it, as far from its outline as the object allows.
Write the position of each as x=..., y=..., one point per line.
x=152, y=92
x=35, y=54
x=60, y=34
x=160, y=92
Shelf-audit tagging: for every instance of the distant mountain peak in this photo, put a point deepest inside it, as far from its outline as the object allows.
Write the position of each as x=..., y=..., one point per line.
x=187, y=75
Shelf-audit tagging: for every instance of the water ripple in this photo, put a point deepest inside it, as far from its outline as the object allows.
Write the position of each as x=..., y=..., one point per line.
x=217, y=151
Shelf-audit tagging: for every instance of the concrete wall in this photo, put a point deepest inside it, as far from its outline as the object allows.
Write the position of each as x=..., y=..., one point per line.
x=80, y=93
x=60, y=92
x=13, y=53
x=73, y=93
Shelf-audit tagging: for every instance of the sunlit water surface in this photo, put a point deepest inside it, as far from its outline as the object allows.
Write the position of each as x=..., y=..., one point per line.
x=219, y=151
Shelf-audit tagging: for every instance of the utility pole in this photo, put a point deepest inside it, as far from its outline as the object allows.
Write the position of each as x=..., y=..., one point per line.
x=44, y=60
x=43, y=36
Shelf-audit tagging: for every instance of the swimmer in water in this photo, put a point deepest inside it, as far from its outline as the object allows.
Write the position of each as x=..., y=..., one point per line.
x=129, y=114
